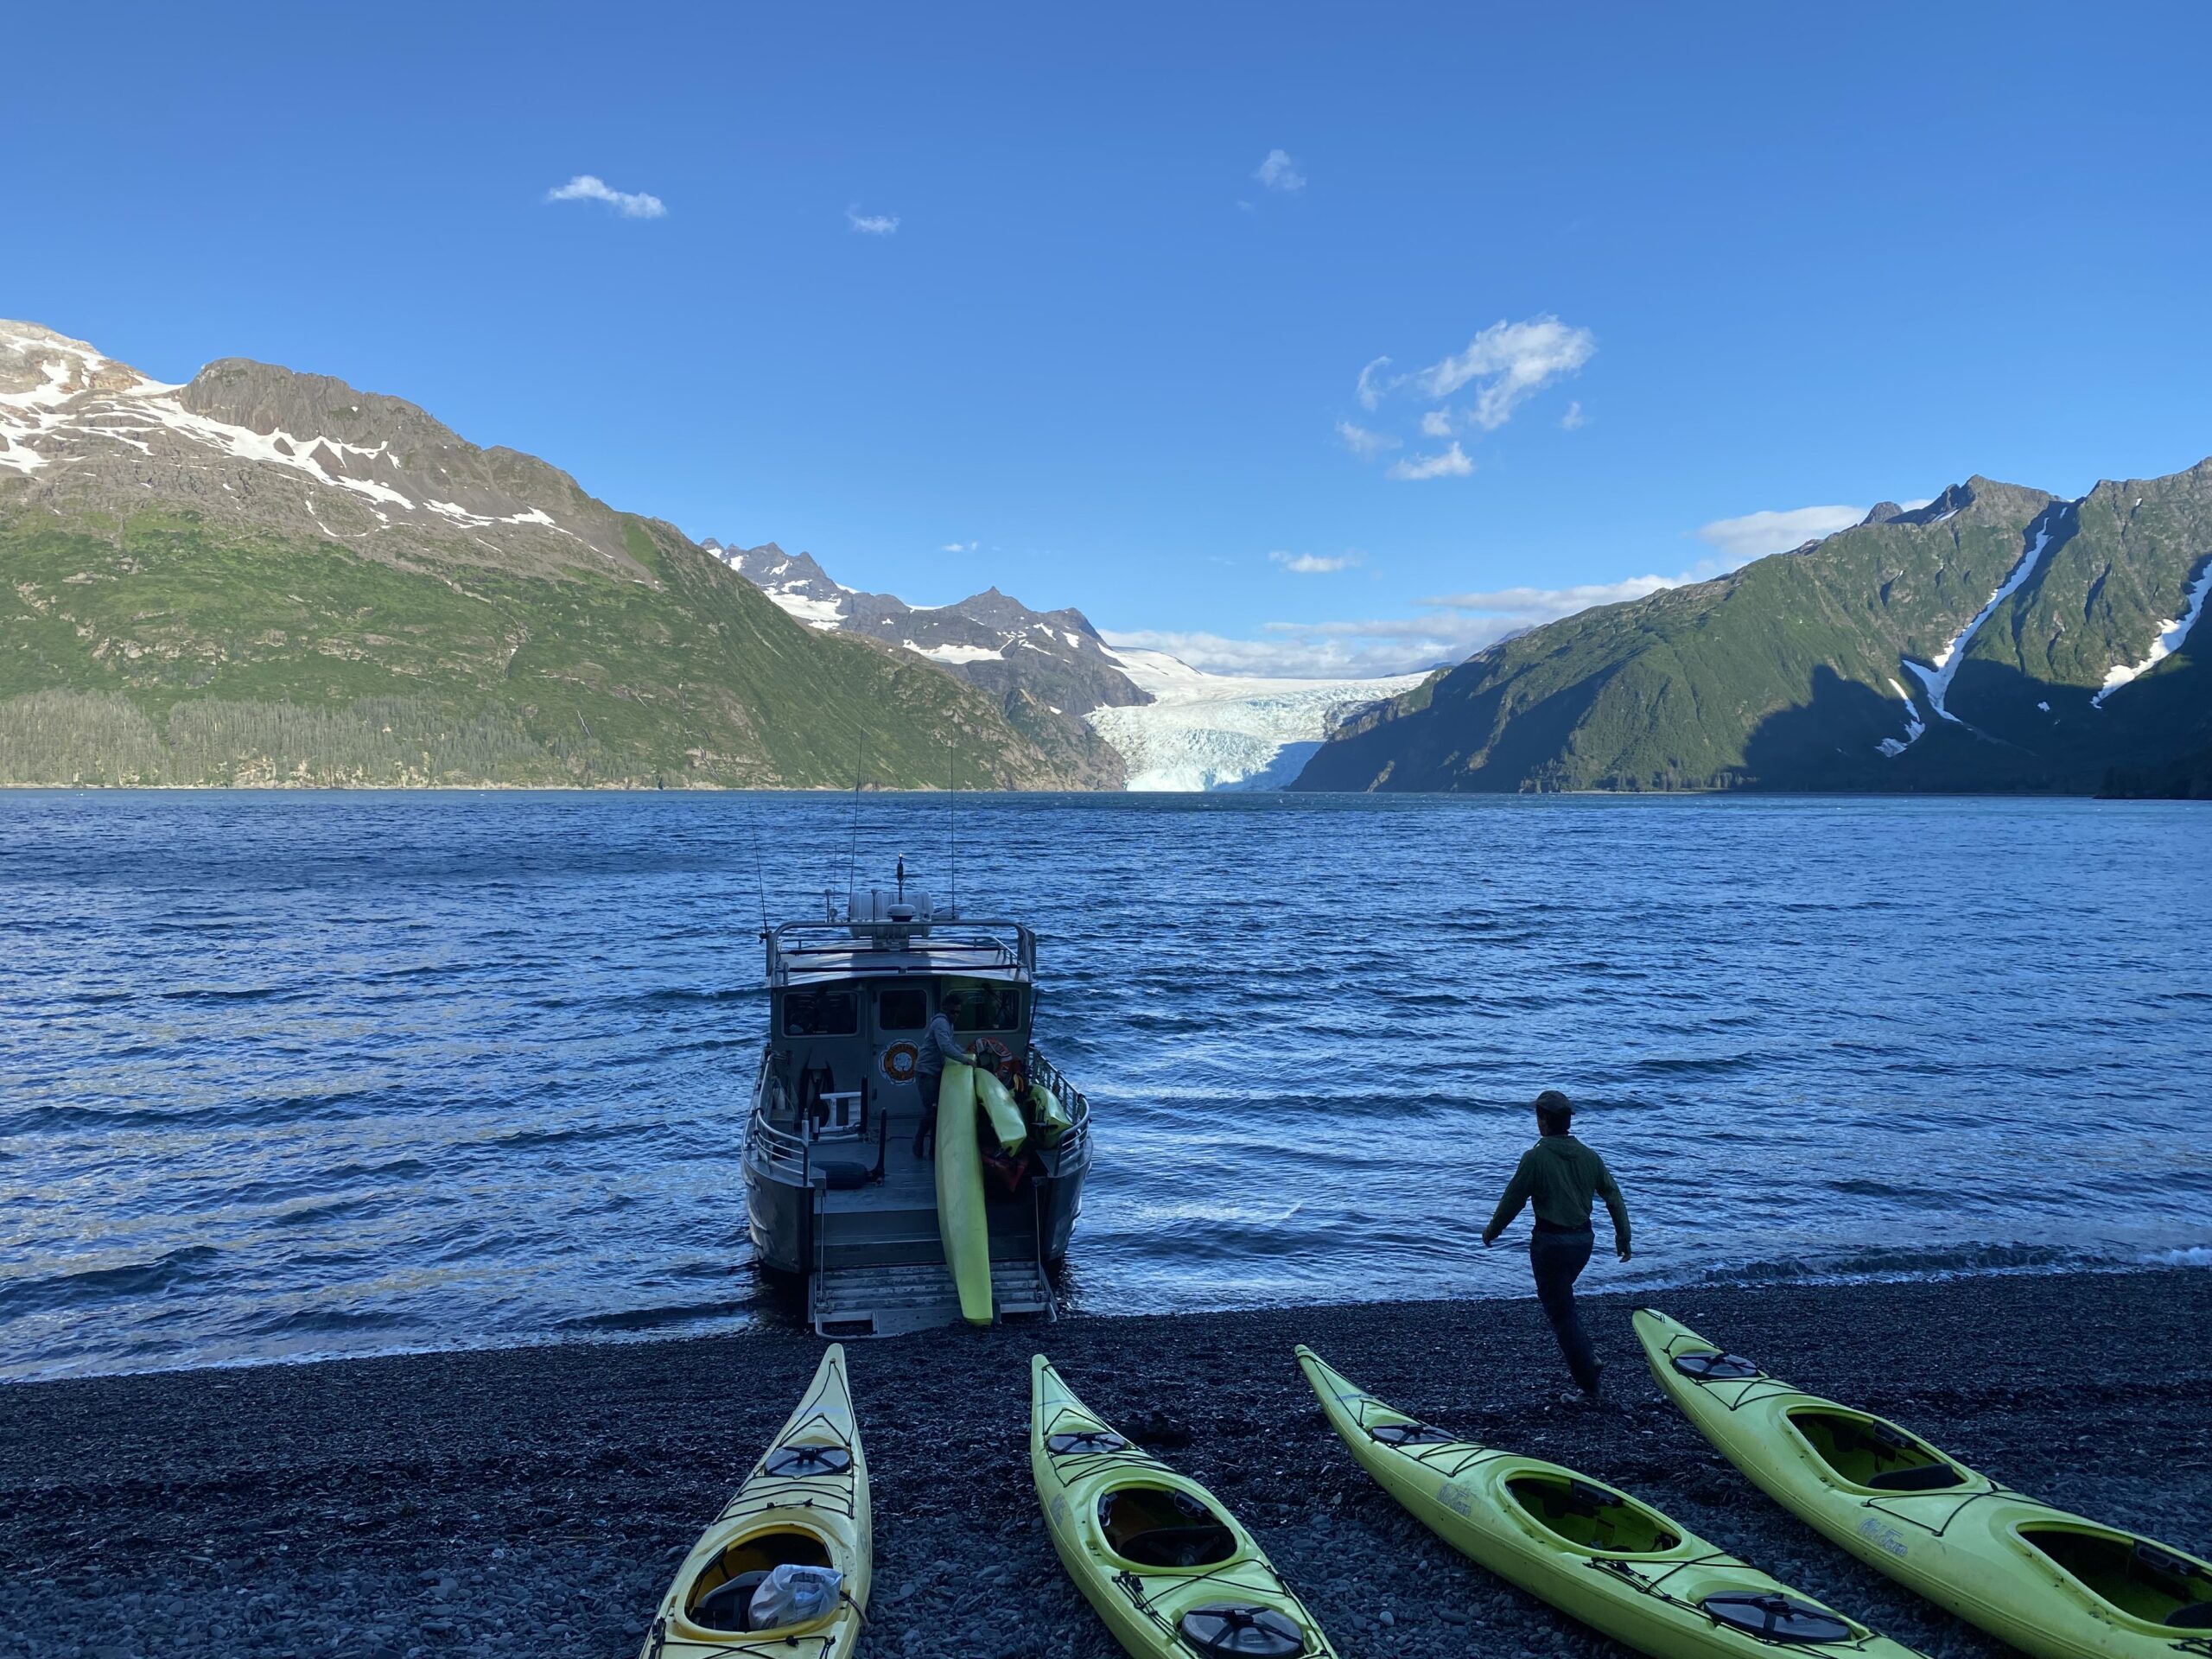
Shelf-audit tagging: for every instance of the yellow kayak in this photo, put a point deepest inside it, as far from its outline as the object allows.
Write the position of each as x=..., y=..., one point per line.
x=1616, y=1564
x=2051, y=1583
x=805, y=1502
x=1169, y=1570
x=961, y=1223
x=1050, y=1117
x=1005, y=1115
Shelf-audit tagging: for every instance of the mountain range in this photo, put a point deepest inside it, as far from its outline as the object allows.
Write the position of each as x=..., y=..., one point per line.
x=1048, y=668
x=262, y=576
x=1998, y=638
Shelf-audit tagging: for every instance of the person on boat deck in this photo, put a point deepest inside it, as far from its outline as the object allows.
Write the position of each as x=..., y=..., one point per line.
x=940, y=1043
x=1559, y=1175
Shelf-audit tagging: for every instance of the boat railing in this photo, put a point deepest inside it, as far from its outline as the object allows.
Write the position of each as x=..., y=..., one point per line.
x=1075, y=1145
x=782, y=1153
x=1014, y=941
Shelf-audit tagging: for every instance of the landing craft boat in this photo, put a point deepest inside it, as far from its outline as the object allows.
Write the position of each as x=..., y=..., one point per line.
x=836, y=1194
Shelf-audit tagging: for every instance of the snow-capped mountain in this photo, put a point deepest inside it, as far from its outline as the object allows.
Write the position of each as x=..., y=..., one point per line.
x=1048, y=668
x=1227, y=732
x=250, y=443
x=1167, y=725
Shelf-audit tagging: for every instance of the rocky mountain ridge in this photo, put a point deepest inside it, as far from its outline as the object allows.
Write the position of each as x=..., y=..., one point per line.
x=1048, y=668
x=1997, y=638
x=261, y=576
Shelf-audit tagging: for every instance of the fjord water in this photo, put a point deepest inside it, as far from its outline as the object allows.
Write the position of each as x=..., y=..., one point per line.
x=291, y=1074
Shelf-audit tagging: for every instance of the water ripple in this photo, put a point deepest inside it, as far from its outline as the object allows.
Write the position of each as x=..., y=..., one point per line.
x=293, y=1074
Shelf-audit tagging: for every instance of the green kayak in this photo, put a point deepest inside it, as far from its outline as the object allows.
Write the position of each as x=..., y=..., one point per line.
x=1616, y=1564
x=2051, y=1583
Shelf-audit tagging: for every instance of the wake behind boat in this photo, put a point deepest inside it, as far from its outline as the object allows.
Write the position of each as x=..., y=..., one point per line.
x=837, y=1193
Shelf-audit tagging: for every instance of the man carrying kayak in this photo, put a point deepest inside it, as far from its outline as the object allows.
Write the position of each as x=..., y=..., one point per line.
x=940, y=1043
x=1559, y=1174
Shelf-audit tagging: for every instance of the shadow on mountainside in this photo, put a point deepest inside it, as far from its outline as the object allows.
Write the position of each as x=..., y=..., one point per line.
x=2015, y=734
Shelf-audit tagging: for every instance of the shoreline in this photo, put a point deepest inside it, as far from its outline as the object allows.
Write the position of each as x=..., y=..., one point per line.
x=527, y=1498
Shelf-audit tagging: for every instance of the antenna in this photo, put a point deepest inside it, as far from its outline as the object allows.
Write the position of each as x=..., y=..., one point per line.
x=760, y=870
x=853, y=861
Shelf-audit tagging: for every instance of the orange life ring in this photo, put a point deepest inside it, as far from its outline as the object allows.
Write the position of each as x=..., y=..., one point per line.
x=993, y=1045
x=900, y=1061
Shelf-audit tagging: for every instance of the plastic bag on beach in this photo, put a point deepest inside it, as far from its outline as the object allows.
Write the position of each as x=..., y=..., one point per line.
x=793, y=1594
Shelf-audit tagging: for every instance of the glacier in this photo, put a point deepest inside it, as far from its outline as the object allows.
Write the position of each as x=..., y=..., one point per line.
x=1226, y=731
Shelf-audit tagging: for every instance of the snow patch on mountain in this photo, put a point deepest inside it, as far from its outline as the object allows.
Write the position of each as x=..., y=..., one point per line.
x=1226, y=731
x=1937, y=679
x=2172, y=631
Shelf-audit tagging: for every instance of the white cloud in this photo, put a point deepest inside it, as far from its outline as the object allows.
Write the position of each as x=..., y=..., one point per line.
x=1513, y=361
x=1289, y=656
x=630, y=204
x=1280, y=173
x=958, y=547
x=1361, y=441
x=872, y=224
x=1370, y=390
x=1447, y=628
x=1451, y=463
x=1436, y=423
x=1574, y=419
x=1314, y=564
x=1757, y=534
x=1532, y=605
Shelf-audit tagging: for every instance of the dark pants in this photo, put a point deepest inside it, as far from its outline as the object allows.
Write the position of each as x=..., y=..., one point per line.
x=1557, y=1259
x=927, y=1083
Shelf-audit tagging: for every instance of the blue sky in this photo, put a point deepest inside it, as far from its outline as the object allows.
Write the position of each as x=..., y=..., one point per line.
x=1088, y=296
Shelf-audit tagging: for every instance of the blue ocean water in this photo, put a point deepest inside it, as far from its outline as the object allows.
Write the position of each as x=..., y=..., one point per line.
x=290, y=1074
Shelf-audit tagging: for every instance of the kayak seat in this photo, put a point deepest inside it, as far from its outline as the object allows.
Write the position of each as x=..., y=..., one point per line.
x=1153, y=1525
x=729, y=1606
x=1917, y=1477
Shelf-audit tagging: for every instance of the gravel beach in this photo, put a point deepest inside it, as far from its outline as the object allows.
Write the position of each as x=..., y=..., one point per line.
x=535, y=1500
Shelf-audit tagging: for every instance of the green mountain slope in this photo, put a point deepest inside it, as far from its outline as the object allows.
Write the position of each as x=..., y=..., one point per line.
x=1824, y=669
x=195, y=593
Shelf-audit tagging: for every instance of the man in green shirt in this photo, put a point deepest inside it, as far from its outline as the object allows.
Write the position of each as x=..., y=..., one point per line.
x=1559, y=1174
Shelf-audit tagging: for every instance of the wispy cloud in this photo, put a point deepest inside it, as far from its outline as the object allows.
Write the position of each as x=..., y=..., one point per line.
x=1450, y=463
x=1533, y=605
x=630, y=204
x=1757, y=534
x=1315, y=564
x=872, y=224
x=958, y=547
x=1280, y=173
x=1295, y=658
x=1361, y=441
x=1436, y=423
x=1371, y=388
x=1443, y=628
x=1574, y=419
x=1513, y=361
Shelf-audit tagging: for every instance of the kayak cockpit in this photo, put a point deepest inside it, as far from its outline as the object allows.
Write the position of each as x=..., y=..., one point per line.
x=720, y=1597
x=1875, y=1456
x=1151, y=1525
x=2138, y=1578
x=1591, y=1517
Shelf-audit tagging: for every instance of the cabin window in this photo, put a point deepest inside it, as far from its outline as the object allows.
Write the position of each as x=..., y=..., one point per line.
x=983, y=1008
x=822, y=1013
x=902, y=1007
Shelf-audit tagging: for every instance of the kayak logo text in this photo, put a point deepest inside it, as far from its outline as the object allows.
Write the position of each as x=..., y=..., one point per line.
x=1456, y=1498
x=1883, y=1536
